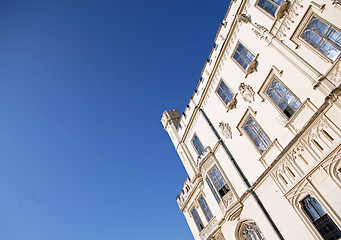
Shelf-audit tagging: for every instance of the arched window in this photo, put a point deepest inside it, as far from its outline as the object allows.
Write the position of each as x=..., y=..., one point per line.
x=323, y=37
x=320, y=218
x=249, y=230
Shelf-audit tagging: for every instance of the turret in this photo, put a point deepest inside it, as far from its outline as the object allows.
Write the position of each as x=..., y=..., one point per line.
x=171, y=123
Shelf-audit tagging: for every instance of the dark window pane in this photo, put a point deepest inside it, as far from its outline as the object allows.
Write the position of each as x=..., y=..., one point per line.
x=322, y=221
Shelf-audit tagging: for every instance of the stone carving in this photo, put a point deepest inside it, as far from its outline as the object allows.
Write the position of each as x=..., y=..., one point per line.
x=232, y=104
x=219, y=236
x=226, y=130
x=208, y=229
x=207, y=165
x=228, y=198
x=332, y=166
x=242, y=17
x=247, y=92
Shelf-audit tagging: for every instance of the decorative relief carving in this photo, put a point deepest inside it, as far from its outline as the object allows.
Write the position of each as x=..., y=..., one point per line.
x=228, y=198
x=302, y=188
x=332, y=165
x=247, y=92
x=207, y=165
x=219, y=236
x=225, y=130
x=208, y=229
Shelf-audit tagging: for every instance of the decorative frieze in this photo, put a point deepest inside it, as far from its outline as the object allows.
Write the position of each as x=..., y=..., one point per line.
x=206, y=232
x=308, y=151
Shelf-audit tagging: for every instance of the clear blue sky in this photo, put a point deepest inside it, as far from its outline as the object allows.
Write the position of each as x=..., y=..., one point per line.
x=83, y=85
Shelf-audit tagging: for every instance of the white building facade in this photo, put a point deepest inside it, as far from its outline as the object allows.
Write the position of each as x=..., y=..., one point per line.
x=260, y=138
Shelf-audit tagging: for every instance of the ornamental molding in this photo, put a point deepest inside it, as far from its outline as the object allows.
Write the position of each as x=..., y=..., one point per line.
x=225, y=130
x=294, y=194
x=247, y=92
x=207, y=165
x=228, y=198
x=335, y=74
x=242, y=17
x=332, y=166
x=208, y=229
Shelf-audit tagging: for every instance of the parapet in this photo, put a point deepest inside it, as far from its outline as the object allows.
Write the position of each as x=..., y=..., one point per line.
x=172, y=116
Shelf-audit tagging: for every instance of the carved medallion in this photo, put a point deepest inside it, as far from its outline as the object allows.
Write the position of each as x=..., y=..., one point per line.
x=226, y=130
x=247, y=92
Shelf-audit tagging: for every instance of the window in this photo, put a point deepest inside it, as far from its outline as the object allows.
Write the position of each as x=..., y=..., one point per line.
x=282, y=97
x=321, y=220
x=213, y=190
x=256, y=134
x=197, y=145
x=270, y=6
x=243, y=56
x=205, y=209
x=224, y=92
x=218, y=182
x=197, y=219
x=250, y=231
x=323, y=37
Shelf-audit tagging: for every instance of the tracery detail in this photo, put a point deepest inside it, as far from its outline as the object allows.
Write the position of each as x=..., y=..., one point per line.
x=250, y=231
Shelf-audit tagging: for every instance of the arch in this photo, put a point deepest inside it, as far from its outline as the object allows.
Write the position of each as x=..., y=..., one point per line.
x=248, y=230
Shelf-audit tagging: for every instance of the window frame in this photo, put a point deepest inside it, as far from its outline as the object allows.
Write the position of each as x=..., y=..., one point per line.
x=198, y=218
x=251, y=113
x=235, y=49
x=214, y=186
x=201, y=196
x=265, y=94
x=298, y=40
x=195, y=135
x=244, y=224
x=266, y=12
x=216, y=91
x=308, y=218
